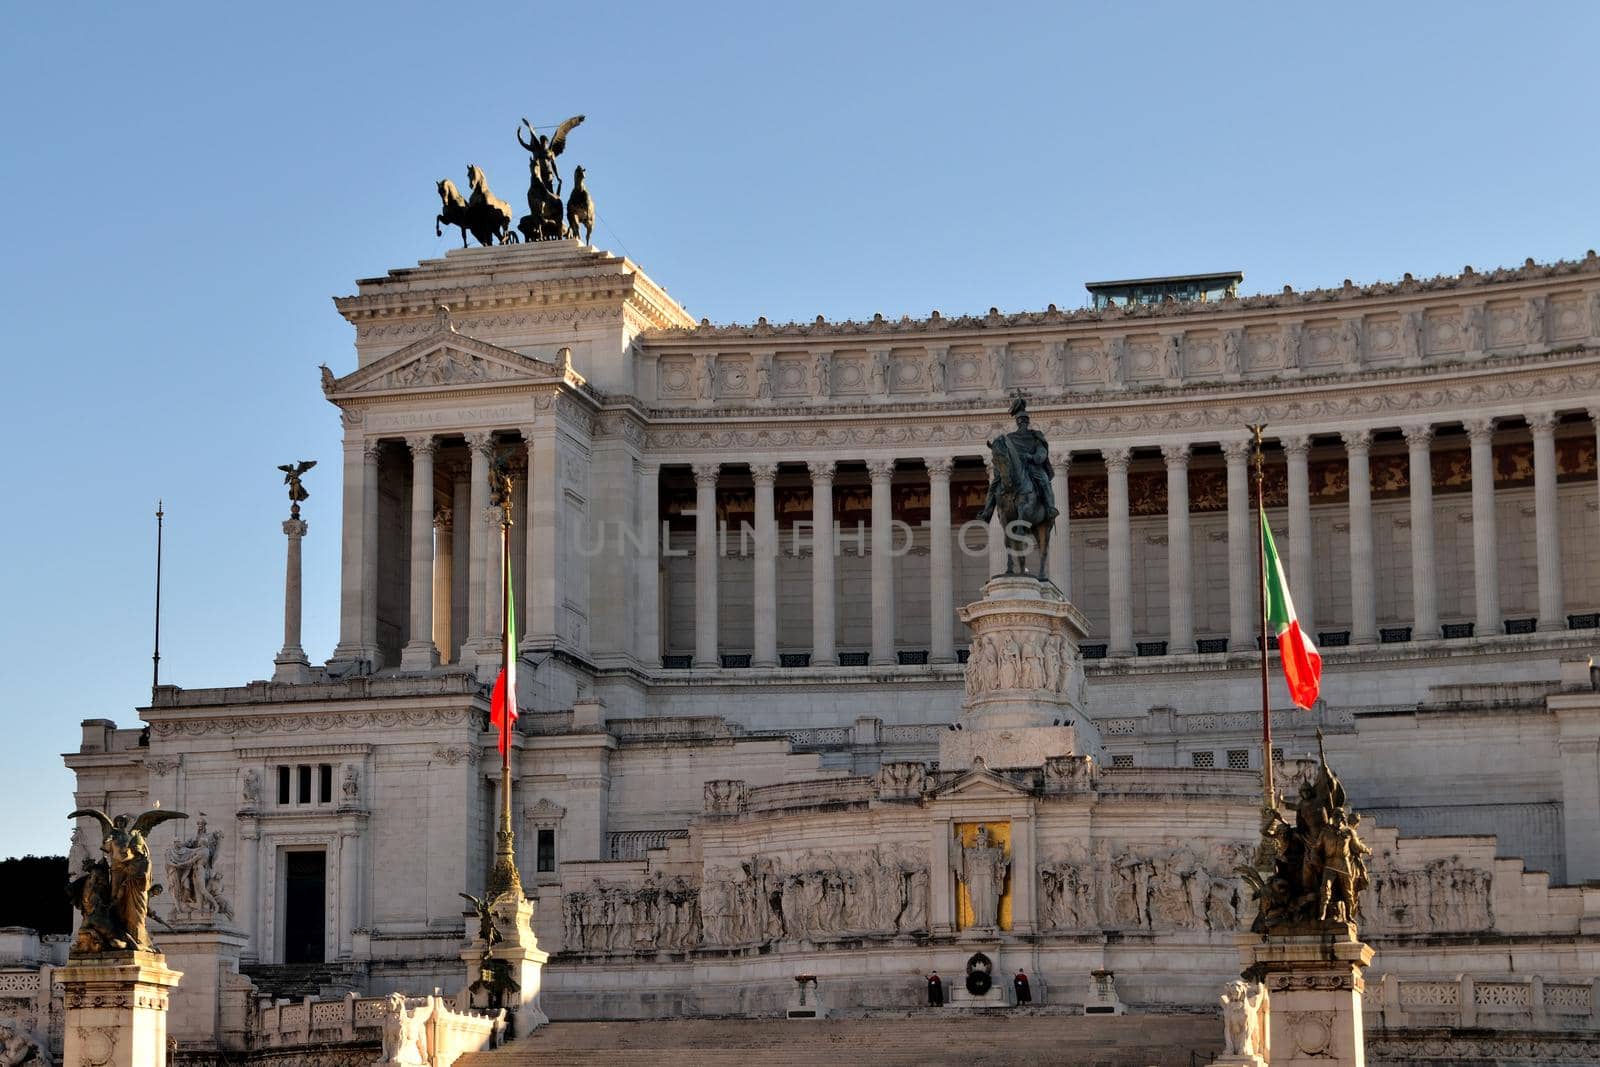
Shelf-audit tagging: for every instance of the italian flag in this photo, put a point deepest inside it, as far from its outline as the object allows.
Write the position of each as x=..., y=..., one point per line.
x=1302, y=663
x=503, y=702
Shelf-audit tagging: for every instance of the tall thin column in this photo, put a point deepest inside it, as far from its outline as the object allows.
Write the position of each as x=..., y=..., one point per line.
x=444, y=549
x=419, y=653
x=1242, y=621
x=1061, y=536
x=291, y=666
x=822, y=549
x=1485, y=539
x=349, y=841
x=352, y=567
x=1363, y=602
x=647, y=616
x=1424, y=592
x=370, y=460
x=494, y=602
x=482, y=447
x=461, y=562
x=1119, y=578
x=550, y=566
x=1180, y=589
x=766, y=568
x=882, y=474
x=941, y=596
x=1547, y=521
x=1302, y=583
x=705, y=565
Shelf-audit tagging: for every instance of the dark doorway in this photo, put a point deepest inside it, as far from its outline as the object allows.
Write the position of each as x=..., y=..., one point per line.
x=305, y=888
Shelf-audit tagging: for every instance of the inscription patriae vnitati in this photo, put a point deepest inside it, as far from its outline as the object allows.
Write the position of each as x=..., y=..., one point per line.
x=405, y=420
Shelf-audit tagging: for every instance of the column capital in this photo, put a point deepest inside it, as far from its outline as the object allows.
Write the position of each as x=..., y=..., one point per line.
x=443, y=519
x=764, y=473
x=422, y=444
x=1236, y=452
x=705, y=474
x=371, y=451
x=1542, y=423
x=821, y=469
x=1116, y=457
x=481, y=441
x=939, y=467
x=1062, y=460
x=1175, y=455
x=294, y=529
x=1356, y=440
x=1479, y=430
x=1419, y=436
x=1295, y=444
x=880, y=470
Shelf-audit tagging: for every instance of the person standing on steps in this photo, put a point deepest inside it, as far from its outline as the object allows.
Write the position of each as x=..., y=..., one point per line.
x=935, y=990
x=1024, y=992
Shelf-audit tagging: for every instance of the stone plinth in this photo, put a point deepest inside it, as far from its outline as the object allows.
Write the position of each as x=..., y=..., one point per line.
x=1315, y=982
x=1024, y=679
x=211, y=1006
x=116, y=1009
x=520, y=950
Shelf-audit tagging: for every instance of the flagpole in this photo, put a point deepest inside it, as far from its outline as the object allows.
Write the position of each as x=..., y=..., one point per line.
x=503, y=877
x=1269, y=794
x=155, y=658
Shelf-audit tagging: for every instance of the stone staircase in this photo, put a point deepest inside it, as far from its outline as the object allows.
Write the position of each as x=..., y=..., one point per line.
x=988, y=1039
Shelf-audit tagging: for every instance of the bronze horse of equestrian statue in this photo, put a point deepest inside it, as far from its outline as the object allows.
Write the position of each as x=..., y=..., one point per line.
x=484, y=215
x=1025, y=517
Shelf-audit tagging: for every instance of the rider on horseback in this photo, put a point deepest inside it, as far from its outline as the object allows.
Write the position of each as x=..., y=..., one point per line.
x=1033, y=456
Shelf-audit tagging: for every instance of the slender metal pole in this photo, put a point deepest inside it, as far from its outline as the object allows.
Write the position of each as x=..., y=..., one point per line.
x=503, y=876
x=1269, y=793
x=155, y=658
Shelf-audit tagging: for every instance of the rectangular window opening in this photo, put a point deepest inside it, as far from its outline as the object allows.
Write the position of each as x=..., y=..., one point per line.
x=325, y=783
x=546, y=852
x=304, y=782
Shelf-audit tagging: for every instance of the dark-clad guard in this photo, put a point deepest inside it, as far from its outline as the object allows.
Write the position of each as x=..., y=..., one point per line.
x=935, y=990
x=1024, y=991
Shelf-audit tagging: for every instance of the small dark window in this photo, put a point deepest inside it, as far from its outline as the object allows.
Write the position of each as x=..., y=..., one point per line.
x=1277, y=754
x=1207, y=760
x=546, y=852
x=283, y=784
x=1122, y=759
x=1238, y=759
x=325, y=783
x=304, y=776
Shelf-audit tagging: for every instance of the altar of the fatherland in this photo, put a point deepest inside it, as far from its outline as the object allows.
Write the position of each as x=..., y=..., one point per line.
x=780, y=719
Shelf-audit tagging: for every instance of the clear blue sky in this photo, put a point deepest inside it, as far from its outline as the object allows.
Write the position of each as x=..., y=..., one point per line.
x=187, y=187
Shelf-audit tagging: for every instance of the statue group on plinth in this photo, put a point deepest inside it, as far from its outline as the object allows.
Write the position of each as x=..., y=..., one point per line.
x=113, y=894
x=192, y=875
x=488, y=218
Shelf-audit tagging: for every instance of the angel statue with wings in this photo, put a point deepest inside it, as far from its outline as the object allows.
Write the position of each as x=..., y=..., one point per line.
x=114, y=893
x=291, y=478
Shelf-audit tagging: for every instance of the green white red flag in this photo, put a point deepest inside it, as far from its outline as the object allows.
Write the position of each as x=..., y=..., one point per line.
x=1302, y=663
x=503, y=702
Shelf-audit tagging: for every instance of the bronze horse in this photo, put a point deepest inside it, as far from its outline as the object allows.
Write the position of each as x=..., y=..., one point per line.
x=454, y=211
x=1019, y=505
x=580, y=209
x=488, y=217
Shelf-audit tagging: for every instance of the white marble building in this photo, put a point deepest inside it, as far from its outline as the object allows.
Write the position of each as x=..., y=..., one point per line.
x=717, y=711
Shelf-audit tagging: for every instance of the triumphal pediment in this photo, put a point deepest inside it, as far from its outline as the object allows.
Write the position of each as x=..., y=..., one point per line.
x=445, y=358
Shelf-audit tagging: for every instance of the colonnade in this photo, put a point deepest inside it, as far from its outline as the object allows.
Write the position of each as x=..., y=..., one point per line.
x=1244, y=624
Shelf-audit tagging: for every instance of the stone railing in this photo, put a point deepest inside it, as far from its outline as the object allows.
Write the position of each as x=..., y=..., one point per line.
x=817, y=793
x=446, y=1033
x=1486, y=1002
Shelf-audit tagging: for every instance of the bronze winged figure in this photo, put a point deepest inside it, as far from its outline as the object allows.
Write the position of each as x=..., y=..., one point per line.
x=544, y=150
x=291, y=478
x=124, y=878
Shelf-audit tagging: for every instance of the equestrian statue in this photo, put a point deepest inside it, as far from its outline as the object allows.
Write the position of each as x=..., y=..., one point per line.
x=1020, y=492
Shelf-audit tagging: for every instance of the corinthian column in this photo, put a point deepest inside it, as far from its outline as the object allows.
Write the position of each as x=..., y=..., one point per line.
x=882, y=474
x=292, y=667
x=1485, y=542
x=443, y=572
x=1302, y=582
x=1119, y=570
x=481, y=445
x=647, y=622
x=1242, y=623
x=1180, y=618
x=705, y=565
x=370, y=457
x=997, y=533
x=420, y=653
x=1424, y=592
x=1363, y=605
x=352, y=567
x=1061, y=536
x=941, y=598
x=822, y=548
x=1547, y=520
x=766, y=568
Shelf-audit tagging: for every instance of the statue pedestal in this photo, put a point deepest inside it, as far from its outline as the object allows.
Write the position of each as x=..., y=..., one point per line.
x=116, y=1009
x=1025, y=689
x=213, y=1004
x=1314, y=981
x=519, y=950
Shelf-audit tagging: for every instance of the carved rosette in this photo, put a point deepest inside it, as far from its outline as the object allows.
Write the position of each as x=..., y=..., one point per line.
x=1024, y=667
